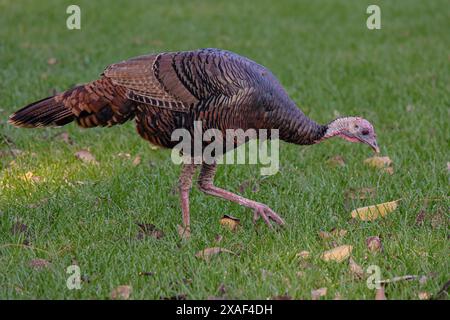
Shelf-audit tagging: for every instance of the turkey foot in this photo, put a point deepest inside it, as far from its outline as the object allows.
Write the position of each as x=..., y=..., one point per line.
x=259, y=209
x=263, y=211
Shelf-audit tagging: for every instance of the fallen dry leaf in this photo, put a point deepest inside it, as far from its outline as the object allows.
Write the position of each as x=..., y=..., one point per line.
x=389, y=170
x=148, y=229
x=303, y=254
x=184, y=232
x=218, y=238
x=39, y=263
x=360, y=194
x=121, y=292
x=124, y=155
x=371, y=213
x=424, y=295
x=318, y=293
x=337, y=254
x=51, y=61
x=374, y=244
x=30, y=177
x=333, y=234
x=379, y=294
x=230, y=222
x=378, y=162
x=64, y=136
x=336, y=161
x=137, y=161
x=355, y=269
x=207, y=253
x=86, y=157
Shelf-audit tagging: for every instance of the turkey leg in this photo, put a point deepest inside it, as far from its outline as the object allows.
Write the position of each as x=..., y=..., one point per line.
x=206, y=185
x=185, y=184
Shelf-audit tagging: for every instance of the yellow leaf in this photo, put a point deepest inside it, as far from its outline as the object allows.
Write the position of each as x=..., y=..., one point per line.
x=355, y=269
x=378, y=162
x=230, y=222
x=337, y=254
x=371, y=213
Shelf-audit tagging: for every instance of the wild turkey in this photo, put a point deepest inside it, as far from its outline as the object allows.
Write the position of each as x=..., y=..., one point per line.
x=167, y=91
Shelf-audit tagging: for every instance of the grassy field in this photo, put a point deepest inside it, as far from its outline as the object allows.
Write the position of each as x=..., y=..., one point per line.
x=329, y=62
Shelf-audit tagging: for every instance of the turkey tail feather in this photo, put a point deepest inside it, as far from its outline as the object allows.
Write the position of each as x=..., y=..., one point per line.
x=43, y=113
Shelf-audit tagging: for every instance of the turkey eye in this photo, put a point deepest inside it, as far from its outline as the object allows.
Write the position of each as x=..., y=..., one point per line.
x=365, y=132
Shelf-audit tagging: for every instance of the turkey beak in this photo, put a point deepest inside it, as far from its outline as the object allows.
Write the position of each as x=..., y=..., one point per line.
x=372, y=142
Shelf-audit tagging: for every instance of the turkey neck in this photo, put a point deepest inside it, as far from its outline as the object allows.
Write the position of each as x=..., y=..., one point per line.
x=294, y=126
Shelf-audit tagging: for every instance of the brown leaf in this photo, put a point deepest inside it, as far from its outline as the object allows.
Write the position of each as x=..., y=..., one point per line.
x=336, y=161
x=184, y=232
x=318, y=293
x=374, y=244
x=303, y=254
x=424, y=295
x=333, y=234
x=389, y=170
x=51, y=61
x=337, y=254
x=148, y=229
x=39, y=264
x=218, y=238
x=86, y=157
x=371, y=213
x=230, y=222
x=64, y=136
x=121, y=292
x=360, y=194
x=137, y=161
x=380, y=295
x=30, y=177
x=207, y=253
x=355, y=269
x=222, y=289
x=378, y=162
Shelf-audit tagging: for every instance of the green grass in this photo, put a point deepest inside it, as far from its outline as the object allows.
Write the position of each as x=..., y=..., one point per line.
x=328, y=61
